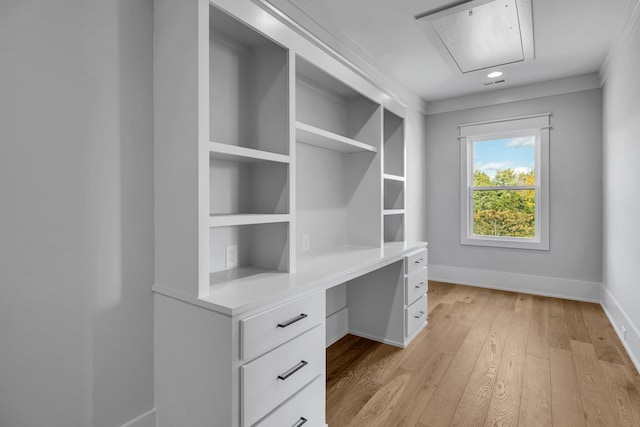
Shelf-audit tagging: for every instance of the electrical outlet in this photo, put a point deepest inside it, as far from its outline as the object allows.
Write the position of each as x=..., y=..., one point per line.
x=624, y=332
x=232, y=256
x=305, y=242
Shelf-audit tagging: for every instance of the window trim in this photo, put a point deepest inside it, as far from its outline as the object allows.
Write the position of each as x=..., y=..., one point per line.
x=482, y=131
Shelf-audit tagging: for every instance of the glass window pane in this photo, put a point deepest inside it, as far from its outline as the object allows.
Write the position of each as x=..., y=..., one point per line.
x=504, y=162
x=505, y=213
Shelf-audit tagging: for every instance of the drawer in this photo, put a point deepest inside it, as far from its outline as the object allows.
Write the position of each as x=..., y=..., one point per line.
x=415, y=285
x=271, y=328
x=415, y=316
x=304, y=409
x=274, y=377
x=415, y=261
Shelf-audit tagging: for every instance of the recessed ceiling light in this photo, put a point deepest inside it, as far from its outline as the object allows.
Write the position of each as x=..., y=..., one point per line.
x=494, y=74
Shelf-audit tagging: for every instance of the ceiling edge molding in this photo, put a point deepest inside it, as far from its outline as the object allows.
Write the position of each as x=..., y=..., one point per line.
x=519, y=93
x=343, y=49
x=633, y=20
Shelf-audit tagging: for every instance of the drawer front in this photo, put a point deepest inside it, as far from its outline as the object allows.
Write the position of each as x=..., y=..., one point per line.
x=271, y=328
x=274, y=377
x=305, y=409
x=415, y=315
x=415, y=285
x=415, y=262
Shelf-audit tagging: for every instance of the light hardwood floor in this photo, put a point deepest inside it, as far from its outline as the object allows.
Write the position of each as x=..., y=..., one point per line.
x=489, y=358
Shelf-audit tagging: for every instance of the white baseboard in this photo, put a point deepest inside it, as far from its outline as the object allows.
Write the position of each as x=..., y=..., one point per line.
x=537, y=285
x=618, y=318
x=148, y=419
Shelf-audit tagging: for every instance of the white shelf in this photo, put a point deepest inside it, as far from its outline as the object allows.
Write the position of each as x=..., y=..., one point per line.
x=390, y=177
x=393, y=212
x=226, y=276
x=321, y=138
x=246, y=219
x=236, y=153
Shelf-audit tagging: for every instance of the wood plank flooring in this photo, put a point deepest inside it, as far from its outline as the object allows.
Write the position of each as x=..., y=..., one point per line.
x=488, y=358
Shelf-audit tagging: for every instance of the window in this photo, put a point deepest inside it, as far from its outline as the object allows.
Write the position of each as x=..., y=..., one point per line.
x=504, y=197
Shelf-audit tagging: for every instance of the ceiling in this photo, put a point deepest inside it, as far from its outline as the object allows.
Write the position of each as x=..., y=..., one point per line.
x=571, y=37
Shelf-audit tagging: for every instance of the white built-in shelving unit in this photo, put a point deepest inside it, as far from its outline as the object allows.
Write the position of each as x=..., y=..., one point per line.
x=279, y=174
x=338, y=163
x=249, y=162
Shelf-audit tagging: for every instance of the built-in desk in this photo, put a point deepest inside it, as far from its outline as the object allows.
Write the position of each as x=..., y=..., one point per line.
x=252, y=351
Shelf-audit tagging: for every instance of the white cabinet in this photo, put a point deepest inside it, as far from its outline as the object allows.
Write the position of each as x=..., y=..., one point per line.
x=416, y=292
x=304, y=409
x=277, y=325
x=416, y=285
x=272, y=378
x=416, y=261
x=415, y=316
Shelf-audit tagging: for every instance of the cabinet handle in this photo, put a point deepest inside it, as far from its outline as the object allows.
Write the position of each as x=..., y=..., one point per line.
x=293, y=370
x=419, y=261
x=420, y=285
x=292, y=320
x=300, y=422
x=419, y=315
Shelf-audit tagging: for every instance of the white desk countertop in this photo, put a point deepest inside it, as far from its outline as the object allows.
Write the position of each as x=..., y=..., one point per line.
x=246, y=289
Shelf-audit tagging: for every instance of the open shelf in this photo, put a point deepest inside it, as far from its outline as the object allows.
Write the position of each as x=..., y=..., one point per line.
x=220, y=151
x=322, y=138
x=257, y=187
x=246, y=219
x=393, y=144
x=393, y=194
x=264, y=246
x=248, y=87
x=393, y=228
x=333, y=115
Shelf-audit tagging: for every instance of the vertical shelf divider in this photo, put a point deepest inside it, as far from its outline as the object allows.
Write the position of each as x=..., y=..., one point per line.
x=394, y=178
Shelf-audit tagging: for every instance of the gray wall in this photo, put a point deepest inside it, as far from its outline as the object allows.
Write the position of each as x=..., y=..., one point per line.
x=76, y=212
x=621, y=203
x=575, y=196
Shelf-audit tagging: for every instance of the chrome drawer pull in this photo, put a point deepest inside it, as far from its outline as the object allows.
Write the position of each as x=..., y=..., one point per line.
x=420, y=285
x=419, y=261
x=292, y=321
x=300, y=422
x=293, y=370
x=419, y=315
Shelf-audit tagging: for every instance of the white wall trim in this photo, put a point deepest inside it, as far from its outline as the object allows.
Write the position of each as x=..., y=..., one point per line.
x=537, y=285
x=618, y=317
x=148, y=419
x=633, y=19
x=519, y=93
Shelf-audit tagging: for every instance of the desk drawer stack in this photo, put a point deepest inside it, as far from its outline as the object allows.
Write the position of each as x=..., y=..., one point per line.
x=416, y=290
x=283, y=348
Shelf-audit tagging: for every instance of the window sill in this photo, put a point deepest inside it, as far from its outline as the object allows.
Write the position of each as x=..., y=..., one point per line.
x=506, y=242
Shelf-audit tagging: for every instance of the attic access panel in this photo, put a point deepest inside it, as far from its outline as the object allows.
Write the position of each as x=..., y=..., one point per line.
x=480, y=34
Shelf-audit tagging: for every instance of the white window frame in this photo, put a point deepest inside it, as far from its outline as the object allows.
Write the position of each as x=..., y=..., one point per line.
x=499, y=129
